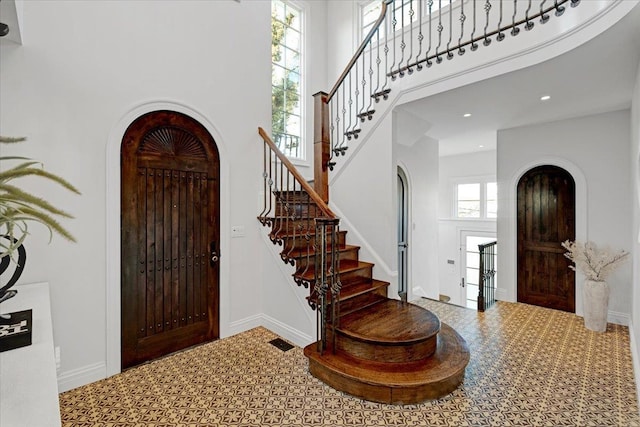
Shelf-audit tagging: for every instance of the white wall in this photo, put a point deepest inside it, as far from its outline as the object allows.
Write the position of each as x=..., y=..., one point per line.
x=595, y=150
x=69, y=88
x=635, y=230
x=419, y=161
x=478, y=165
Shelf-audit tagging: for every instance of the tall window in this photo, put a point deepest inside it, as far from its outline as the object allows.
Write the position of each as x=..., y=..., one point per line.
x=405, y=12
x=286, y=81
x=476, y=200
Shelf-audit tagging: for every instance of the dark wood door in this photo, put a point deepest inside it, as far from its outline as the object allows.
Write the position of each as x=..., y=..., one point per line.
x=546, y=218
x=170, y=229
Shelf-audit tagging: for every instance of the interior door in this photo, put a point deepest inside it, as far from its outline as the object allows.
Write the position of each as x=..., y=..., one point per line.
x=546, y=218
x=170, y=235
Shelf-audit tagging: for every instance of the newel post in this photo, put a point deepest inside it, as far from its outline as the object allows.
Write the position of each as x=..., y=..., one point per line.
x=321, y=145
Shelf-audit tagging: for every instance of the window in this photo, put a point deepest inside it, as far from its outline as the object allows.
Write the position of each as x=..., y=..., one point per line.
x=476, y=200
x=286, y=78
x=368, y=14
x=409, y=10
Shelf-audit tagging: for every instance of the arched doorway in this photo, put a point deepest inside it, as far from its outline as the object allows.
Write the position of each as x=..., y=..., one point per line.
x=170, y=236
x=545, y=218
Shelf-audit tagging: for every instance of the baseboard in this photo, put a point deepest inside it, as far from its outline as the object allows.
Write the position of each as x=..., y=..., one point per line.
x=285, y=331
x=418, y=292
x=501, y=294
x=82, y=376
x=635, y=358
x=618, y=318
x=244, y=324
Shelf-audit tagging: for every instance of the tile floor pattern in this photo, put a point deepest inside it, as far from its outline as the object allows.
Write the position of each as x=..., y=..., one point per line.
x=529, y=366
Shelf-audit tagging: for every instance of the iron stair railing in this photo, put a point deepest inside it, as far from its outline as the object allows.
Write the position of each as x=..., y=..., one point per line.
x=307, y=230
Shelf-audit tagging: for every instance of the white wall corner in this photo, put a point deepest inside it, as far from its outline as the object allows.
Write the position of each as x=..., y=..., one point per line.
x=74, y=378
x=503, y=295
x=245, y=324
x=285, y=331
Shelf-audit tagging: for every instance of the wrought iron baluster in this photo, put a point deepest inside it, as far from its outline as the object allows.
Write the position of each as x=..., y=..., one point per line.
x=344, y=119
x=544, y=18
x=403, y=45
x=262, y=215
x=357, y=97
x=439, y=29
x=348, y=133
x=411, y=14
x=332, y=137
x=500, y=35
x=420, y=36
x=449, y=54
x=386, y=57
x=393, y=40
x=487, y=9
x=428, y=61
x=474, y=45
x=362, y=111
x=289, y=211
x=514, y=28
x=529, y=24
x=559, y=9
x=463, y=18
x=371, y=90
x=374, y=92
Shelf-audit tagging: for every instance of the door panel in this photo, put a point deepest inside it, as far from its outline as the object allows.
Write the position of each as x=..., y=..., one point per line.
x=546, y=218
x=170, y=214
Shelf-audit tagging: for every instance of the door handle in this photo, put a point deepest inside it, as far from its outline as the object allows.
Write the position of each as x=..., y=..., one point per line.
x=213, y=253
x=462, y=283
x=402, y=245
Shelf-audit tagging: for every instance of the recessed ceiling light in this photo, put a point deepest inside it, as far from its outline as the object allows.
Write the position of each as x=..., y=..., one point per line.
x=466, y=115
x=545, y=98
x=480, y=146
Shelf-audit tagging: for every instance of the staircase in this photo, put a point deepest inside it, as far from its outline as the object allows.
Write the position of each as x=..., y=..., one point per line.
x=369, y=345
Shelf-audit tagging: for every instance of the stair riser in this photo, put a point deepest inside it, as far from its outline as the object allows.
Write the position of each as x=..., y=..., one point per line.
x=300, y=242
x=385, y=352
x=345, y=254
x=382, y=393
x=356, y=275
x=362, y=300
x=300, y=210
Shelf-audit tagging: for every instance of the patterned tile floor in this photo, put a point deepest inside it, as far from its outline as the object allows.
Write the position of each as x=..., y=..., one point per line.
x=529, y=367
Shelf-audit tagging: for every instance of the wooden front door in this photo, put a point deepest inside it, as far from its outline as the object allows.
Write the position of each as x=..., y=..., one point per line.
x=170, y=234
x=546, y=218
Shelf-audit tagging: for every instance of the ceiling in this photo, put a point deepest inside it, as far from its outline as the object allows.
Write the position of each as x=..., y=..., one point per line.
x=596, y=77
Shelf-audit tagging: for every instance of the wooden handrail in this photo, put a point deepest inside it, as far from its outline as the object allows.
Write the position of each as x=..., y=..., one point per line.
x=303, y=182
x=361, y=49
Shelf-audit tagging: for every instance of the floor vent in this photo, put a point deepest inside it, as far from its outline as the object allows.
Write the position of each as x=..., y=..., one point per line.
x=281, y=344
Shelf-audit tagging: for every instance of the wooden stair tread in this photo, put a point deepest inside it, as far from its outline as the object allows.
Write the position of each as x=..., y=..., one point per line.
x=395, y=383
x=390, y=322
x=359, y=288
x=345, y=267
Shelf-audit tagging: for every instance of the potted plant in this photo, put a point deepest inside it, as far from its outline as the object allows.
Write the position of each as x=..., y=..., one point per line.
x=596, y=265
x=19, y=208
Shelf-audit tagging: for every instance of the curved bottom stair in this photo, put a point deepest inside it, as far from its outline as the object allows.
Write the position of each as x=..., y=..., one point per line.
x=392, y=352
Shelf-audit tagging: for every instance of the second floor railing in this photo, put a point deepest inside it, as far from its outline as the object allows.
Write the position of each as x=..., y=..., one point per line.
x=410, y=36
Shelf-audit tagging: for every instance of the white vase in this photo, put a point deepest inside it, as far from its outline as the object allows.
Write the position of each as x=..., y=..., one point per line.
x=596, y=305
